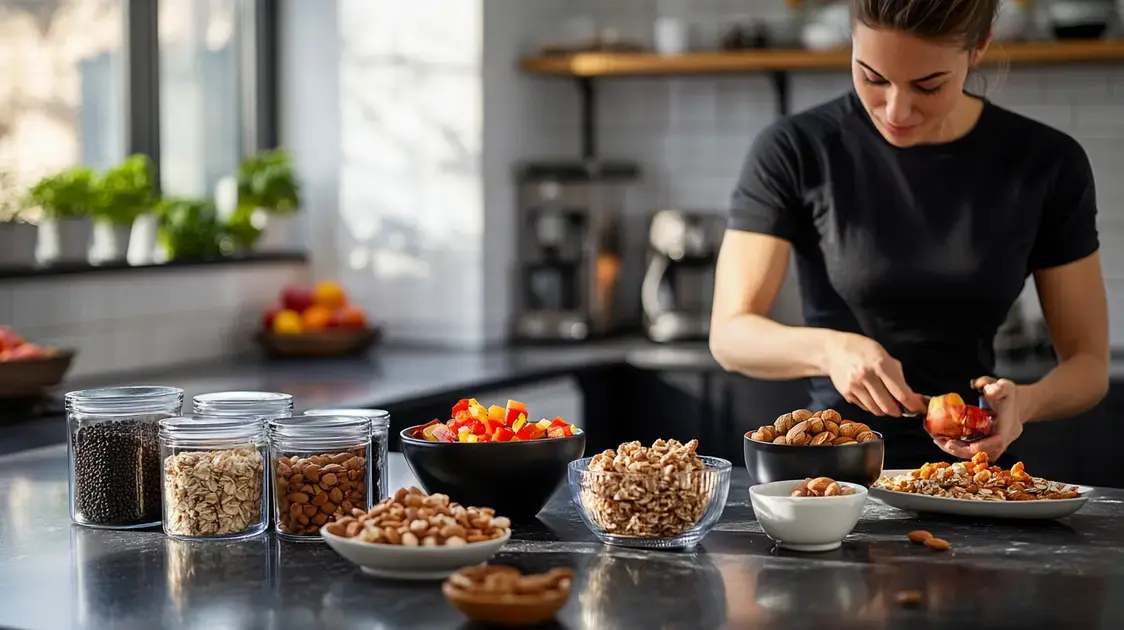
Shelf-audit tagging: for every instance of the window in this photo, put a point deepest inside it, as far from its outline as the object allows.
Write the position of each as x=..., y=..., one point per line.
x=61, y=85
x=200, y=126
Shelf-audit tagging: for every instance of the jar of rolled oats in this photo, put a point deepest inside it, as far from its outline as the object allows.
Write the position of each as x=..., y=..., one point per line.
x=214, y=477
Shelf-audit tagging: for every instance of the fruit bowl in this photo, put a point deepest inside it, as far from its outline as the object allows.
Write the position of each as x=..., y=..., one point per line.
x=336, y=342
x=21, y=378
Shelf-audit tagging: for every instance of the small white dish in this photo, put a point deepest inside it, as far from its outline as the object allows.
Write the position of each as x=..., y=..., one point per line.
x=806, y=523
x=412, y=563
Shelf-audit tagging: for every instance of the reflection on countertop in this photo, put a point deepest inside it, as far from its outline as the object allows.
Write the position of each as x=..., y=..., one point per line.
x=1068, y=573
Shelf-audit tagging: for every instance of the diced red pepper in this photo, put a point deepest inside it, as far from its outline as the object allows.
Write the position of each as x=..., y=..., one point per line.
x=569, y=429
x=513, y=411
x=559, y=422
x=491, y=426
x=462, y=416
x=556, y=432
x=477, y=427
x=503, y=434
x=526, y=432
x=537, y=431
x=484, y=438
x=462, y=405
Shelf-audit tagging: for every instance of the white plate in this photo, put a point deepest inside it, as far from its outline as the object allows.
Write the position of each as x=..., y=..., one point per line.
x=412, y=563
x=1042, y=509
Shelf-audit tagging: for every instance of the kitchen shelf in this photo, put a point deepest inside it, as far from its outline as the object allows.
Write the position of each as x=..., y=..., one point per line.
x=587, y=66
x=34, y=272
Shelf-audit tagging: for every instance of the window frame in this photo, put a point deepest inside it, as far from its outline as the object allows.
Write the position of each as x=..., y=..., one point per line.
x=257, y=77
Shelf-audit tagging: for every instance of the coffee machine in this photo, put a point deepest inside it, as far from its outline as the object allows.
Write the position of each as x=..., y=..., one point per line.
x=569, y=249
x=678, y=286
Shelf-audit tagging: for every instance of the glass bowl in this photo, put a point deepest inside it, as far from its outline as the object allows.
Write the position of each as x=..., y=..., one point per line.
x=650, y=510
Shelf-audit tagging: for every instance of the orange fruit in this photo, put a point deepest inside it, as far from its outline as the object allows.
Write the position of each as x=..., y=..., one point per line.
x=350, y=317
x=317, y=318
x=288, y=323
x=330, y=295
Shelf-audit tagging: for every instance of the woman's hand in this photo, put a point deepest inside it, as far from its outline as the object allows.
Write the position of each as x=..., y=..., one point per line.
x=866, y=375
x=1003, y=397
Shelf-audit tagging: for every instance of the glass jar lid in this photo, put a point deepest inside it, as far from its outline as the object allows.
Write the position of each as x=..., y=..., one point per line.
x=212, y=428
x=242, y=403
x=320, y=431
x=380, y=418
x=125, y=400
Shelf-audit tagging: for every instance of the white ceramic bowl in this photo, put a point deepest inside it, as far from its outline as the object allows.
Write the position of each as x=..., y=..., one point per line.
x=412, y=563
x=806, y=523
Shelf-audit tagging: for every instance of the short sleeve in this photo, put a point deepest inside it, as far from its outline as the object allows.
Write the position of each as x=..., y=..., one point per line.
x=767, y=197
x=1067, y=231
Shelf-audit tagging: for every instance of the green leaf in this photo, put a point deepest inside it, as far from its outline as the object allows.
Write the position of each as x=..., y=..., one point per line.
x=71, y=194
x=190, y=228
x=126, y=191
x=266, y=181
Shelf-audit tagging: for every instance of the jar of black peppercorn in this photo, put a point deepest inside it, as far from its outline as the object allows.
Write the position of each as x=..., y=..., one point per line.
x=320, y=472
x=113, y=448
x=266, y=405
x=380, y=440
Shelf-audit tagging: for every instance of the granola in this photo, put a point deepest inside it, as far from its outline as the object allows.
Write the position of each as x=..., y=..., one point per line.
x=975, y=480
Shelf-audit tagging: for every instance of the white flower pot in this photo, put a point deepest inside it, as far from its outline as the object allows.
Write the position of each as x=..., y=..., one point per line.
x=17, y=244
x=111, y=242
x=277, y=233
x=64, y=242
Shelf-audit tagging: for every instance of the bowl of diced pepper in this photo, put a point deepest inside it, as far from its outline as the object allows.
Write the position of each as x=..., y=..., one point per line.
x=492, y=455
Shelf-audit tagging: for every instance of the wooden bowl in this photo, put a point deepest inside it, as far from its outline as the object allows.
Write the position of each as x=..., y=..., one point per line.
x=324, y=344
x=30, y=377
x=492, y=609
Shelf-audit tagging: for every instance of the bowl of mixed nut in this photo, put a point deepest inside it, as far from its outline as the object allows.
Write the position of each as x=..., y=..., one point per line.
x=502, y=595
x=417, y=536
x=804, y=444
x=808, y=514
x=662, y=496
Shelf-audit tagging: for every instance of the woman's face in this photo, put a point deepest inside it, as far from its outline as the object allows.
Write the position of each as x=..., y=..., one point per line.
x=909, y=86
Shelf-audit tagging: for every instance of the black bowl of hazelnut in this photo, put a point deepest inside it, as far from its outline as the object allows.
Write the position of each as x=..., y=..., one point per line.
x=805, y=444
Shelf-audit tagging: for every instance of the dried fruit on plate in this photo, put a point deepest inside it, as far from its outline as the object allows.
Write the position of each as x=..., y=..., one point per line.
x=949, y=416
x=472, y=422
x=976, y=480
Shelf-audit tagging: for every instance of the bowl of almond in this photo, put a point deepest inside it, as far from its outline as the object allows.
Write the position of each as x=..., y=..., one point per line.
x=807, y=443
x=808, y=514
x=502, y=595
x=412, y=535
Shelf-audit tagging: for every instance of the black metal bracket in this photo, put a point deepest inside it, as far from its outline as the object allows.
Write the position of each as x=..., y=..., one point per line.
x=588, y=118
x=588, y=103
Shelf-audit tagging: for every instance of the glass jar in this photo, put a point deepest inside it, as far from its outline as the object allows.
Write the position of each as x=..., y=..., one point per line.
x=113, y=453
x=320, y=472
x=267, y=405
x=214, y=477
x=380, y=441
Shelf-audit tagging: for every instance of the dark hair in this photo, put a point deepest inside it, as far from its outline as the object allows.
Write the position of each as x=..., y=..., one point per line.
x=967, y=22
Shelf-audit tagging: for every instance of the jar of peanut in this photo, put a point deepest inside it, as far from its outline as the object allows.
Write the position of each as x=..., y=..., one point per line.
x=321, y=471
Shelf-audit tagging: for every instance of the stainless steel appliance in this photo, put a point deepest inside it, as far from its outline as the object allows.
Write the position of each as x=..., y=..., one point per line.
x=569, y=249
x=678, y=285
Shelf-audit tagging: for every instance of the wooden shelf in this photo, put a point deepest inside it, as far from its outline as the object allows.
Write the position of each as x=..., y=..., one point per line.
x=589, y=65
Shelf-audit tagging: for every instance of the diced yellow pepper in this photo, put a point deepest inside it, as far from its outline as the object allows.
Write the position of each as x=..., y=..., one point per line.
x=519, y=422
x=472, y=438
x=495, y=413
x=544, y=423
x=463, y=436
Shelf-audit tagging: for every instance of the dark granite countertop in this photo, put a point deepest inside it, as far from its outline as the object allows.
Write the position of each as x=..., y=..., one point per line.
x=1060, y=574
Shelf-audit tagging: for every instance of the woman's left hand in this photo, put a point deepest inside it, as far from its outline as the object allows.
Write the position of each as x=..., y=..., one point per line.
x=1003, y=397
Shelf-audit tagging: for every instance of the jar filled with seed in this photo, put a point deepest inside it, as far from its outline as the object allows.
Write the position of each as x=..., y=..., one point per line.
x=380, y=441
x=320, y=468
x=267, y=405
x=114, y=454
x=214, y=477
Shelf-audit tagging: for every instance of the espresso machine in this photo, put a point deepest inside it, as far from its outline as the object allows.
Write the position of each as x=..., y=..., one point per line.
x=568, y=249
x=678, y=286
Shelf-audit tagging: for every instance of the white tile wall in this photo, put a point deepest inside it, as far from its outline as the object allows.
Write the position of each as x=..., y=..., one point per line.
x=690, y=134
x=122, y=322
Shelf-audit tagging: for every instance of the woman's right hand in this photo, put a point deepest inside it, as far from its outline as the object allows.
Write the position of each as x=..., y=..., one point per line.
x=866, y=375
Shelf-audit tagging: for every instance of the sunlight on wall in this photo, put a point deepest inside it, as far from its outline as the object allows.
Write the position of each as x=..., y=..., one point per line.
x=411, y=195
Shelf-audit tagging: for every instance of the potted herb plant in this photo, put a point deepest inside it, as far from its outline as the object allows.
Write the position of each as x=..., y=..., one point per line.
x=124, y=193
x=17, y=236
x=66, y=201
x=189, y=228
x=268, y=197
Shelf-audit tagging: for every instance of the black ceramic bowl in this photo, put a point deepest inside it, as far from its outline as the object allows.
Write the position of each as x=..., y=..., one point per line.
x=515, y=478
x=856, y=463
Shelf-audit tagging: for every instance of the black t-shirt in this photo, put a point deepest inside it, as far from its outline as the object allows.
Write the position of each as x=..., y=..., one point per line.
x=923, y=249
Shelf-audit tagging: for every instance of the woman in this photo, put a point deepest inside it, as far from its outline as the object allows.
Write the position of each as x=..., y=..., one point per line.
x=916, y=211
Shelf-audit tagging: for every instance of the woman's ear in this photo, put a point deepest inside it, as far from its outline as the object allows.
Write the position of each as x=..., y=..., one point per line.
x=977, y=53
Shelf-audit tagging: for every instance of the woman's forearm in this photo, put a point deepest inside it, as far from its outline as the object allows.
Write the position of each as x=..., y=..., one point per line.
x=759, y=347
x=1074, y=386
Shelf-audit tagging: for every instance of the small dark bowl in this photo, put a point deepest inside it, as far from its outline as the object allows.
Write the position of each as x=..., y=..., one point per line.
x=514, y=478
x=856, y=463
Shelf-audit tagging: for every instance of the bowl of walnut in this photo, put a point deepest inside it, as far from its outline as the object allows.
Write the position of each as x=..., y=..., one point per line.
x=417, y=536
x=665, y=496
x=814, y=444
x=808, y=514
